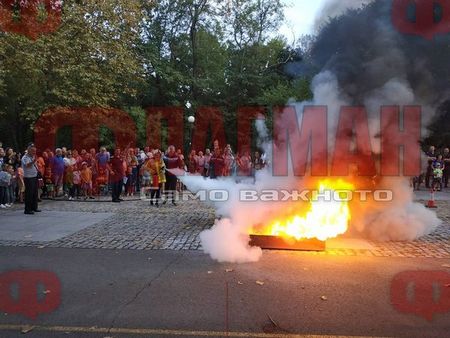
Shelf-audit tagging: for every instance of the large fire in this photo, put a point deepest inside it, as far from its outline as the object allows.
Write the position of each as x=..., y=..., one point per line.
x=323, y=220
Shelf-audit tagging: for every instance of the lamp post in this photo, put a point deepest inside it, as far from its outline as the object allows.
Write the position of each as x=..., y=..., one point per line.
x=191, y=120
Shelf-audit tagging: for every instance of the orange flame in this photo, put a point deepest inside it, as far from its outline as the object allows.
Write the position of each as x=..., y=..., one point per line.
x=324, y=219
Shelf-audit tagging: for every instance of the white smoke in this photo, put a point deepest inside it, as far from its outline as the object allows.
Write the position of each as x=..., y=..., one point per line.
x=399, y=220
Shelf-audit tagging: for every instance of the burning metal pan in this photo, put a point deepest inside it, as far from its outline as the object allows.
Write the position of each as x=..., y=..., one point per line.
x=280, y=243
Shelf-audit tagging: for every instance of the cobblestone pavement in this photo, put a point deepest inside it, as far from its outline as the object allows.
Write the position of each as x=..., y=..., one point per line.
x=137, y=225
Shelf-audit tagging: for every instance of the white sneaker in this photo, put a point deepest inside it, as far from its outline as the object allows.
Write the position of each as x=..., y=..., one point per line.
x=8, y=205
x=2, y=206
x=70, y=198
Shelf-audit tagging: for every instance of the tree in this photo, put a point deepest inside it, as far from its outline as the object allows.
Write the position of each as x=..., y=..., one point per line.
x=91, y=60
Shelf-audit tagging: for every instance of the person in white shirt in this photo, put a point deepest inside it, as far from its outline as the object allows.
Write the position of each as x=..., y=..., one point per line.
x=30, y=174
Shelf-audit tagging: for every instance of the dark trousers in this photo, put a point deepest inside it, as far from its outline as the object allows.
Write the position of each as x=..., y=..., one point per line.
x=3, y=197
x=74, y=191
x=116, y=190
x=446, y=176
x=138, y=177
x=155, y=193
x=428, y=176
x=170, y=186
x=31, y=194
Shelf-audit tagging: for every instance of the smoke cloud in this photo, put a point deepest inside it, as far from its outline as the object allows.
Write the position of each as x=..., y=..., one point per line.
x=335, y=8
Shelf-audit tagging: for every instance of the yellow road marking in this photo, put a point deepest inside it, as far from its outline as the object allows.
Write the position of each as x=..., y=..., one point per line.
x=161, y=332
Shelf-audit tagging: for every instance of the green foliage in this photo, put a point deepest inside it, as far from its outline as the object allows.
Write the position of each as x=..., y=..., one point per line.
x=133, y=54
x=91, y=60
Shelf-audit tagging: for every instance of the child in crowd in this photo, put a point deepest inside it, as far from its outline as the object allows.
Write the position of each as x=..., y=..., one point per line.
x=5, y=181
x=146, y=175
x=438, y=173
x=206, y=165
x=68, y=178
x=86, y=180
x=20, y=184
x=101, y=180
x=49, y=187
x=157, y=171
x=10, y=189
x=132, y=172
x=76, y=180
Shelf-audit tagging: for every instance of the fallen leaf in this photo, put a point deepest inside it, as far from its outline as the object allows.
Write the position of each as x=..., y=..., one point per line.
x=259, y=282
x=324, y=298
x=27, y=329
x=228, y=270
x=240, y=283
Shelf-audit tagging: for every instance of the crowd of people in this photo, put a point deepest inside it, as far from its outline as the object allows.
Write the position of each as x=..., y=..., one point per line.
x=437, y=172
x=72, y=174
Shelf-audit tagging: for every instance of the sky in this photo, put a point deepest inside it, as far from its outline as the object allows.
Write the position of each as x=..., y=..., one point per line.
x=300, y=17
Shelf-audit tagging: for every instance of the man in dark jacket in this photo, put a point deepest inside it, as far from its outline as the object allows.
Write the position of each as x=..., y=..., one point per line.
x=116, y=174
x=172, y=161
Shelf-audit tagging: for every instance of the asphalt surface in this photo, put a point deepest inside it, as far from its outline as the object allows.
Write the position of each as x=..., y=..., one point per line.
x=128, y=293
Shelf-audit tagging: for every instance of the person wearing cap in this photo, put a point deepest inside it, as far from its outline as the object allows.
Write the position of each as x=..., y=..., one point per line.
x=30, y=174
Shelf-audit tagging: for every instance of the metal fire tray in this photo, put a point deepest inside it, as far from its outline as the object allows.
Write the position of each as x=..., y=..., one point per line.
x=280, y=243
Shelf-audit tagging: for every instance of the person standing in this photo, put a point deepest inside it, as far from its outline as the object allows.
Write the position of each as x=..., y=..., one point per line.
x=157, y=171
x=58, y=168
x=431, y=157
x=2, y=157
x=117, y=173
x=207, y=160
x=30, y=174
x=200, y=167
x=446, y=158
x=172, y=160
x=216, y=164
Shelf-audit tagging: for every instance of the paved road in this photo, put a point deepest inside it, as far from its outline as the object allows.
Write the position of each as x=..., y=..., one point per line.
x=130, y=270
x=185, y=293
x=137, y=226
